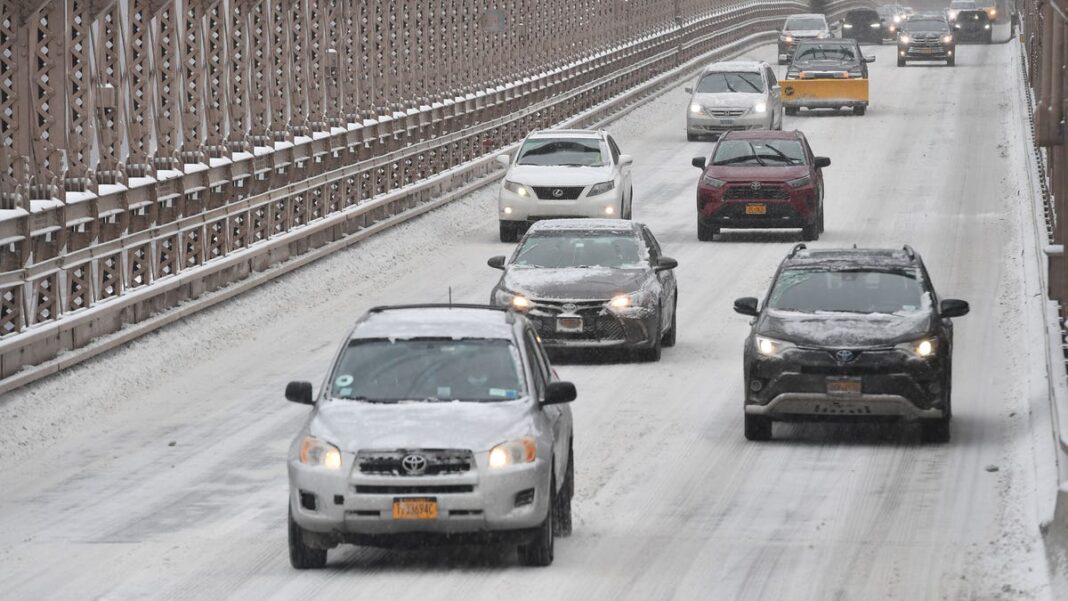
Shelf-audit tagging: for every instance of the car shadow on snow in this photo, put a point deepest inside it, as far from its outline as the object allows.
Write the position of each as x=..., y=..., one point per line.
x=965, y=430
x=592, y=356
x=440, y=558
x=760, y=236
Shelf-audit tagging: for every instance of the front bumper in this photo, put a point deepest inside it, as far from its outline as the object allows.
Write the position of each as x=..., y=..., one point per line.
x=797, y=211
x=601, y=328
x=926, y=53
x=350, y=507
x=892, y=384
x=704, y=124
x=513, y=207
x=976, y=35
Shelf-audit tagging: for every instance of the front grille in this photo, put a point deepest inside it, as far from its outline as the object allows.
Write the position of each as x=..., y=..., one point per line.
x=763, y=193
x=439, y=462
x=558, y=192
x=926, y=42
x=720, y=113
x=597, y=321
x=424, y=489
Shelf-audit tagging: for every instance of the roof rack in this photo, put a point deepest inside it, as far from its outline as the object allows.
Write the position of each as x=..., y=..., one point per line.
x=909, y=252
x=381, y=308
x=798, y=248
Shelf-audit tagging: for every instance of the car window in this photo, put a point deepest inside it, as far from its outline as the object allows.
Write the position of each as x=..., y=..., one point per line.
x=563, y=249
x=539, y=368
x=724, y=82
x=759, y=152
x=809, y=290
x=564, y=152
x=770, y=76
x=428, y=370
x=615, y=150
x=653, y=246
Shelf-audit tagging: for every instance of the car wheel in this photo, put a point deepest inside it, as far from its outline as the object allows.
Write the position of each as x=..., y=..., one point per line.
x=779, y=126
x=951, y=62
x=692, y=137
x=811, y=231
x=792, y=111
x=671, y=335
x=629, y=212
x=538, y=552
x=821, y=219
x=301, y=556
x=509, y=231
x=900, y=62
x=757, y=428
x=935, y=430
x=860, y=110
x=653, y=352
x=562, y=520
x=706, y=233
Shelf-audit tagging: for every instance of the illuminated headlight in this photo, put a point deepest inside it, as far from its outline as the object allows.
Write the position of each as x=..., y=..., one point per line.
x=760, y=107
x=515, y=452
x=799, y=182
x=601, y=188
x=510, y=299
x=708, y=180
x=924, y=348
x=847, y=26
x=696, y=108
x=769, y=347
x=516, y=188
x=904, y=39
x=897, y=18
x=947, y=39
x=623, y=302
x=318, y=453
x=788, y=39
x=987, y=26
x=875, y=26
x=992, y=12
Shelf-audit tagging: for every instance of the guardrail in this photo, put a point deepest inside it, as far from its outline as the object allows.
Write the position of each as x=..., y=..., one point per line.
x=98, y=263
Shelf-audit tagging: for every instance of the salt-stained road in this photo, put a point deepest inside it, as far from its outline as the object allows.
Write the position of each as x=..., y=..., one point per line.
x=157, y=472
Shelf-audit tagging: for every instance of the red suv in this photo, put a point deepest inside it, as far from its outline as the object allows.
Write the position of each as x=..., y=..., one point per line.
x=761, y=179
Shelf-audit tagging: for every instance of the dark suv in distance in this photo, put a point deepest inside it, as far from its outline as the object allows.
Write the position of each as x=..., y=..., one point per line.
x=973, y=26
x=850, y=334
x=926, y=38
x=863, y=25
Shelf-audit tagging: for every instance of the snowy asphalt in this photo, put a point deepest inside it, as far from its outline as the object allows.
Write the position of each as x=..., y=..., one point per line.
x=158, y=472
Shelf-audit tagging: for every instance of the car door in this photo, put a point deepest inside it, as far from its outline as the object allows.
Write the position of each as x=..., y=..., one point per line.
x=558, y=416
x=811, y=159
x=666, y=278
x=624, y=170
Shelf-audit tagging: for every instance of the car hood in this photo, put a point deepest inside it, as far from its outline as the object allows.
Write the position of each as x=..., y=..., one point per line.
x=750, y=173
x=355, y=425
x=728, y=99
x=844, y=330
x=535, y=175
x=805, y=33
x=827, y=65
x=573, y=283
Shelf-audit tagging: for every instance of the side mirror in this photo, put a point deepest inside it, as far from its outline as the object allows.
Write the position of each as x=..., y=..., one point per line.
x=952, y=307
x=626, y=159
x=822, y=162
x=557, y=393
x=699, y=162
x=666, y=264
x=688, y=90
x=504, y=160
x=869, y=59
x=299, y=392
x=496, y=262
x=746, y=306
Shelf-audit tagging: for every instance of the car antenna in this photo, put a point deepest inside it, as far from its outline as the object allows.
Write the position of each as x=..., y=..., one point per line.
x=854, y=246
x=450, y=296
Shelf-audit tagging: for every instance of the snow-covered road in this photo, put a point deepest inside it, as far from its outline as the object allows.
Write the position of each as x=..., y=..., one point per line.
x=157, y=472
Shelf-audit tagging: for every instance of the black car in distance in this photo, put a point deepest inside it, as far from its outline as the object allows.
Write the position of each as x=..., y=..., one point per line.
x=850, y=335
x=973, y=26
x=863, y=25
x=926, y=38
x=592, y=284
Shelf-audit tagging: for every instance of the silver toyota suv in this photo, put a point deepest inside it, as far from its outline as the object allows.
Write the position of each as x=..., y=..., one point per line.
x=436, y=423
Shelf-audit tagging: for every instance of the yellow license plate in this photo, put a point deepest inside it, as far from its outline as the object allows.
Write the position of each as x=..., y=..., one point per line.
x=758, y=209
x=843, y=386
x=415, y=509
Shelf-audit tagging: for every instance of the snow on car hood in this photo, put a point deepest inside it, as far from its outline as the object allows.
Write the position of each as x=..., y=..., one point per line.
x=537, y=175
x=728, y=99
x=355, y=425
x=845, y=330
x=572, y=283
x=771, y=173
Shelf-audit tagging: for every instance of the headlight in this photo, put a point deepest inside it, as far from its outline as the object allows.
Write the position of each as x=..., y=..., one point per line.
x=801, y=181
x=515, y=452
x=760, y=107
x=987, y=26
x=789, y=39
x=904, y=39
x=696, y=108
x=515, y=188
x=770, y=347
x=316, y=452
x=847, y=26
x=947, y=39
x=924, y=348
x=601, y=188
x=708, y=180
x=622, y=302
x=513, y=300
x=897, y=18
x=992, y=12
x=875, y=26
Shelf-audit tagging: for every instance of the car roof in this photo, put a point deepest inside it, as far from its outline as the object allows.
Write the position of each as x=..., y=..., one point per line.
x=613, y=225
x=435, y=321
x=567, y=133
x=806, y=15
x=829, y=42
x=885, y=258
x=732, y=66
x=761, y=134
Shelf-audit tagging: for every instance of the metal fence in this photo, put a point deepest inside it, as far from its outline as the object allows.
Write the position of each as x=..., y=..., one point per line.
x=144, y=139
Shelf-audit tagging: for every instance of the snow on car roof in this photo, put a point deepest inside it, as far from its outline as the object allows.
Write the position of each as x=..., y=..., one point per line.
x=852, y=257
x=566, y=133
x=583, y=224
x=731, y=66
x=434, y=321
x=760, y=134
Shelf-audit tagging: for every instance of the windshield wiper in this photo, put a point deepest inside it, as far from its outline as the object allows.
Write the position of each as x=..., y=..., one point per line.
x=741, y=159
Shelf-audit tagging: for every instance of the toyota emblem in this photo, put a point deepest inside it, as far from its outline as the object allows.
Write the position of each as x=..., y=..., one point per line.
x=569, y=307
x=414, y=465
x=557, y=193
x=756, y=185
x=844, y=356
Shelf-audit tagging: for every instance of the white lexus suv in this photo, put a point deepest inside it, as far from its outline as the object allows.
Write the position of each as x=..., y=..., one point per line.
x=564, y=173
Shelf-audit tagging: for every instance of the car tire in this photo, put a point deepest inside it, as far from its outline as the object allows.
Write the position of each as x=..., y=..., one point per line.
x=628, y=212
x=757, y=428
x=692, y=137
x=779, y=126
x=811, y=231
x=860, y=110
x=538, y=551
x=952, y=62
x=562, y=521
x=509, y=231
x=652, y=353
x=900, y=62
x=791, y=111
x=706, y=233
x=301, y=556
x=783, y=62
x=822, y=228
x=671, y=335
x=935, y=431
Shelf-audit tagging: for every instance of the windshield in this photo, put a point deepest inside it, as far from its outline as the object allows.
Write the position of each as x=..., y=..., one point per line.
x=936, y=25
x=717, y=83
x=851, y=291
x=825, y=52
x=563, y=152
x=428, y=370
x=805, y=24
x=558, y=250
x=862, y=16
x=963, y=4
x=759, y=152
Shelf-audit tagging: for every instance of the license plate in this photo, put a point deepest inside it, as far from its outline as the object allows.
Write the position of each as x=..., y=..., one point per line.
x=415, y=509
x=757, y=209
x=726, y=121
x=926, y=50
x=569, y=324
x=843, y=386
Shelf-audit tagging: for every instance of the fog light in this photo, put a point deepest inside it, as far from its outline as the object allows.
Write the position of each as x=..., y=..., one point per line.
x=524, y=497
x=507, y=210
x=307, y=500
x=609, y=211
x=756, y=386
